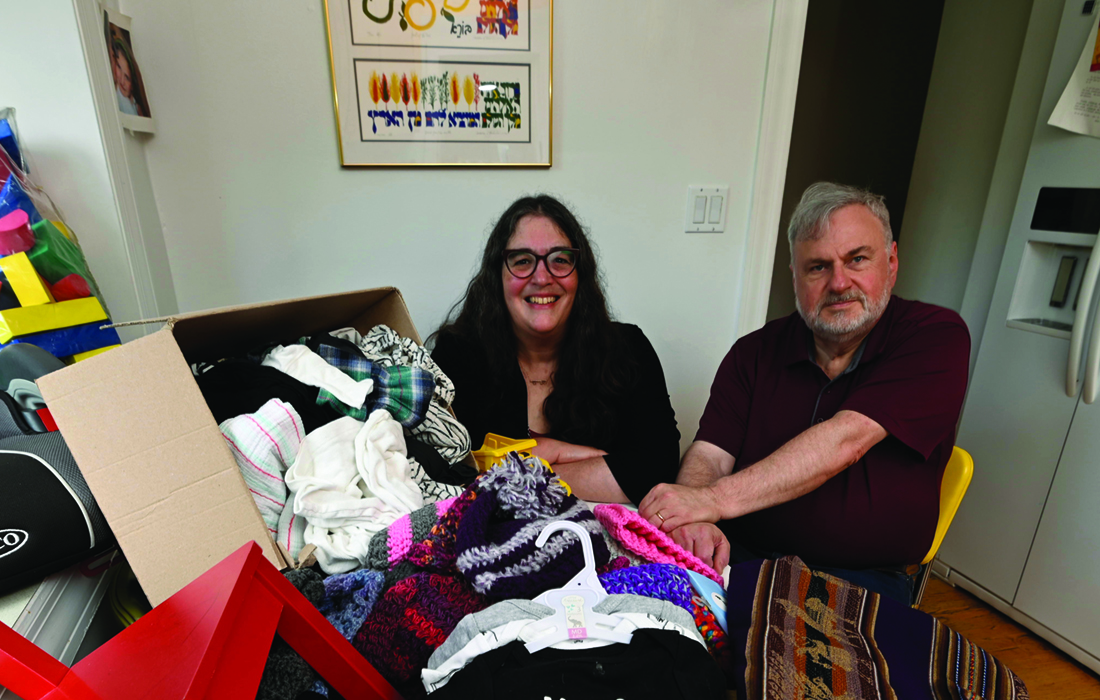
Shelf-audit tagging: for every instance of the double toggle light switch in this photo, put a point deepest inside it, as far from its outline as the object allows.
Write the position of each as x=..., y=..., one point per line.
x=706, y=209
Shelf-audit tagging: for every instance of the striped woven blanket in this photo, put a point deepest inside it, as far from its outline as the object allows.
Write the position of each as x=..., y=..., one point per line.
x=807, y=635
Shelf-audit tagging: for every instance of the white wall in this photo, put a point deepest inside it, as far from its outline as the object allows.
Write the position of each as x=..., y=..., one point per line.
x=45, y=78
x=649, y=97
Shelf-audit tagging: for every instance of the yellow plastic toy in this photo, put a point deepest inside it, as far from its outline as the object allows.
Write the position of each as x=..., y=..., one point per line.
x=80, y=356
x=496, y=446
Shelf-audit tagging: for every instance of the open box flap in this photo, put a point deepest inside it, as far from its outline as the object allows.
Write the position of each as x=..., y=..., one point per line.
x=155, y=461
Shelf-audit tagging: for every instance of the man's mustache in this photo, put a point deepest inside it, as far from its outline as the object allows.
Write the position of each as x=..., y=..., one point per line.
x=839, y=298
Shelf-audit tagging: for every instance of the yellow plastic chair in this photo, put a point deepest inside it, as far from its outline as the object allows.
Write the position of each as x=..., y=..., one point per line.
x=956, y=479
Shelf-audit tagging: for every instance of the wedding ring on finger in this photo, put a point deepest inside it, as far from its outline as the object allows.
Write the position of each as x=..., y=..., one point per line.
x=660, y=516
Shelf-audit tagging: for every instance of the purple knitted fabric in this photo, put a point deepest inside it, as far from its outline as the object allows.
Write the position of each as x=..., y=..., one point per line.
x=496, y=535
x=661, y=581
x=409, y=622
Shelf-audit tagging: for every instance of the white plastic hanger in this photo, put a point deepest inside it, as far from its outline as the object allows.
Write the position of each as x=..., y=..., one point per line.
x=573, y=616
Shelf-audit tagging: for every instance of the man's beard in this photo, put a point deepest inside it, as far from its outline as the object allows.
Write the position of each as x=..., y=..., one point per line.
x=845, y=325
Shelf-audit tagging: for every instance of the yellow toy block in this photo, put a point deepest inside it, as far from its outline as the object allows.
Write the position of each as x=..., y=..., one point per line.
x=25, y=281
x=92, y=353
x=47, y=317
x=60, y=225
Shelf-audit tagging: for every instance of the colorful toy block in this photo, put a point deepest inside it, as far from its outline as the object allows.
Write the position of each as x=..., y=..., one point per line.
x=15, y=233
x=29, y=287
x=62, y=228
x=75, y=340
x=92, y=353
x=47, y=317
x=70, y=287
x=54, y=255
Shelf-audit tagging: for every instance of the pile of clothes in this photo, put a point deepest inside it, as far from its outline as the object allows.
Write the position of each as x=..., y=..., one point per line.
x=447, y=595
x=337, y=436
x=434, y=574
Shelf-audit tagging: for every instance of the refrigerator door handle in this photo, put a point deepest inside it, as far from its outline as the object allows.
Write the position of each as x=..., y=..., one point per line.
x=1092, y=369
x=1077, y=336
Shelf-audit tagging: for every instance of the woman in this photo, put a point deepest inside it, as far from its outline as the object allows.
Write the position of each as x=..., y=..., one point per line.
x=532, y=351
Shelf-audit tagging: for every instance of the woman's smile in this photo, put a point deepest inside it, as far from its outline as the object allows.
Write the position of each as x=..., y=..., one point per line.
x=542, y=300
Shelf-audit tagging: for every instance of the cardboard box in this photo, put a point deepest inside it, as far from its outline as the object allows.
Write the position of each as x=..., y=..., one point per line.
x=149, y=448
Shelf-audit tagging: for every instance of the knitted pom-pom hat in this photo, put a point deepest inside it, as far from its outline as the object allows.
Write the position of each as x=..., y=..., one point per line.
x=409, y=622
x=496, y=549
x=636, y=534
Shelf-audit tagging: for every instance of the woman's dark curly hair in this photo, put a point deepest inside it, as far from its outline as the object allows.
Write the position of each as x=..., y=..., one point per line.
x=592, y=366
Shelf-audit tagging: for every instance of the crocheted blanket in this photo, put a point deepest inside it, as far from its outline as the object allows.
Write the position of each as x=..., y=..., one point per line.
x=810, y=635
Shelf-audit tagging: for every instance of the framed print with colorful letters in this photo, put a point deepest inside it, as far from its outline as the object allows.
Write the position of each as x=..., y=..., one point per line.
x=442, y=82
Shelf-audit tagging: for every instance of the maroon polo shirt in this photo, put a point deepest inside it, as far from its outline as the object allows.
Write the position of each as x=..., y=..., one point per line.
x=909, y=376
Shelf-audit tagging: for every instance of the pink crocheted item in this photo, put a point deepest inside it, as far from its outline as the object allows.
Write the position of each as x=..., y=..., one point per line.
x=401, y=534
x=637, y=535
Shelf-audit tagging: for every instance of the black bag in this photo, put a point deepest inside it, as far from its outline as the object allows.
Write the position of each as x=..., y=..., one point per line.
x=48, y=518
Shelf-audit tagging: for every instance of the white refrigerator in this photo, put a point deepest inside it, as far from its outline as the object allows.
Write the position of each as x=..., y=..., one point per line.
x=1027, y=536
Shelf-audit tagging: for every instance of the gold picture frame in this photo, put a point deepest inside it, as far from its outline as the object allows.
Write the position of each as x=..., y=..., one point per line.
x=442, y=83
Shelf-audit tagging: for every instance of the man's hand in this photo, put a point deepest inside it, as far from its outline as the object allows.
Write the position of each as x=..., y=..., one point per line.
x=705, y=541
x=559, y=452
x=669, y=506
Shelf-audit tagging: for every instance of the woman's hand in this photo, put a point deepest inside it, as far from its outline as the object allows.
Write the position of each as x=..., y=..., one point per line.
x=559, y=452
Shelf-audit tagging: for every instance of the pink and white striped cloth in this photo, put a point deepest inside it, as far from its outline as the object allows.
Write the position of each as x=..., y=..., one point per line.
x=265, y=444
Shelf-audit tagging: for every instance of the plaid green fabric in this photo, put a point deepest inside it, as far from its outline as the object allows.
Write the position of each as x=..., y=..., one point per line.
x=403, y=391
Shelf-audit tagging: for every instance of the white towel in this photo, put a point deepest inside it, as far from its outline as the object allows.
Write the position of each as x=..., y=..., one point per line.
x=264, y=444
x=350, y=480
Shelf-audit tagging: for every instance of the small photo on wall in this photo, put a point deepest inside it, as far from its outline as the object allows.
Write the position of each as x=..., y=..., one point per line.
x=133, y=104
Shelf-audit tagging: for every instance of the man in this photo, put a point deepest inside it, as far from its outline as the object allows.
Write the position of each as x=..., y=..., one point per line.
x=827, y=432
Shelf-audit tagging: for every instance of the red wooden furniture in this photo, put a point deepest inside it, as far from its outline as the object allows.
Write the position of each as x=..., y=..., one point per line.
x=209, y=641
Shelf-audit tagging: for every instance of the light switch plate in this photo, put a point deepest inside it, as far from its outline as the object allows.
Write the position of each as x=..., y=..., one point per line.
x=716, y=198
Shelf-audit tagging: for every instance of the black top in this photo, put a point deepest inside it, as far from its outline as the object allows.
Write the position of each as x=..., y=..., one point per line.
x=645, y=448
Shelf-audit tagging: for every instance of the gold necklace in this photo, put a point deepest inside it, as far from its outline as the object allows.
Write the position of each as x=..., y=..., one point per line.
x=535, y=382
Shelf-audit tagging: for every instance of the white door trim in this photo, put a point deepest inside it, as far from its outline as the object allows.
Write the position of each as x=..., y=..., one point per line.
x=89, y=20
x=773, y=147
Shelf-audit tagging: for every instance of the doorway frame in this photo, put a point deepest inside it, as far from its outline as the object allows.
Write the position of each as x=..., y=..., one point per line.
x=772, y=150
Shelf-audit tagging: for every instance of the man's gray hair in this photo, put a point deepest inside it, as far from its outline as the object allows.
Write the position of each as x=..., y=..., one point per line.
x=810, y=219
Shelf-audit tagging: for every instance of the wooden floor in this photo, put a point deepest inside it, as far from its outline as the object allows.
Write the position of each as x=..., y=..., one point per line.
x=1048, y=673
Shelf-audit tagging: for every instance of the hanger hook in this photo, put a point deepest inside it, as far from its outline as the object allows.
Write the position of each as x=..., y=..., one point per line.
x=586, y=541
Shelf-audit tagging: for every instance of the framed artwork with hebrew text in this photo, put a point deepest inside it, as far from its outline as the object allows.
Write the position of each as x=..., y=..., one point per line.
x=442, y=82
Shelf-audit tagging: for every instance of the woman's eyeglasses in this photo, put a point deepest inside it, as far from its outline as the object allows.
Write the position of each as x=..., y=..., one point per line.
x=560, y=262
